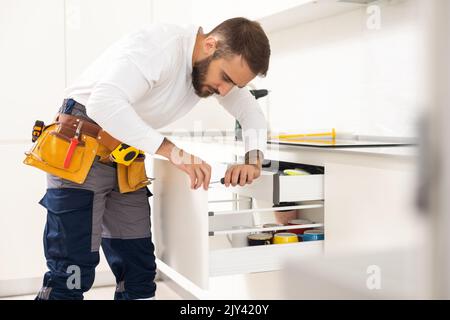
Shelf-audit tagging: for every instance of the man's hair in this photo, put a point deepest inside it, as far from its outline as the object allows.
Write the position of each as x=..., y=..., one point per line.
x=242, y=37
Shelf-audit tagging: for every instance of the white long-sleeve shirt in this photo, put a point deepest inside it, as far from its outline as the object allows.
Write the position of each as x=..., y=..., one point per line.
x=143, y=83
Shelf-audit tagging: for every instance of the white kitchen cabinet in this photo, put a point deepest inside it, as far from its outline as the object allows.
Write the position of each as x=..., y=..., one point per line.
x=368, y=206
x=273, y=15
x=191, y=237
x=252, y=9
x=371, y=207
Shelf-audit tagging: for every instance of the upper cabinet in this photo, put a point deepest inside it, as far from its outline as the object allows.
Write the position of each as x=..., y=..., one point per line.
x=273, y=15
x=252, y=9
x=209, y=13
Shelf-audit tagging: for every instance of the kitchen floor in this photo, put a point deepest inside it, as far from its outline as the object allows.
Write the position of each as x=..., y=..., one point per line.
x=107, y=293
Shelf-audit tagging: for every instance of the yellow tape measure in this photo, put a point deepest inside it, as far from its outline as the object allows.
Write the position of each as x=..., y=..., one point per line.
x=124, y=154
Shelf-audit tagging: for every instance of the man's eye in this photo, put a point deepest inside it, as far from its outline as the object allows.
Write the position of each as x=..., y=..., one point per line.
x=225, y=78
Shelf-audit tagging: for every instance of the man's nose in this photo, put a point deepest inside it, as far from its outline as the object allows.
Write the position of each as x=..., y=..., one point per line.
x=224, y=88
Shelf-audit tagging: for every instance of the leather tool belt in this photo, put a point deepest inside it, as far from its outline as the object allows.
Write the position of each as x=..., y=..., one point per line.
x=68, y=147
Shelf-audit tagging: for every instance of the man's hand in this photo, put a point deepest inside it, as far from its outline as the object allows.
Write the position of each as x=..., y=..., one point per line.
x=245, y=173
x=242, y=174
x=198, y=171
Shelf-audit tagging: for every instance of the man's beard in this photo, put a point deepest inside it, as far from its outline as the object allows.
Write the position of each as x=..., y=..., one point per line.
x=199, y=72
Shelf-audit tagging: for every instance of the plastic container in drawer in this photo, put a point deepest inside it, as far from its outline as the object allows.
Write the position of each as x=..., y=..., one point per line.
x=281, y=188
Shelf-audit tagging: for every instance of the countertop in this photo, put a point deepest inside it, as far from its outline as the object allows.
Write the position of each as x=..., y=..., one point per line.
x=225, y=148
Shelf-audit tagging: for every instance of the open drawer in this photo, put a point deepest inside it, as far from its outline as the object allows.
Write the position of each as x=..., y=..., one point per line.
x=249, y=259
x=184, y=225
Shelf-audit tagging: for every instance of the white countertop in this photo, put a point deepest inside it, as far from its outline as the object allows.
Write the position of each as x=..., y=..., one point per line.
x=219, y=148
x=401, y=151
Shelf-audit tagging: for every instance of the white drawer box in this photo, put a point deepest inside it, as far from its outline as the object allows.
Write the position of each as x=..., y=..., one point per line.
x=259, y=258
x=279, y=188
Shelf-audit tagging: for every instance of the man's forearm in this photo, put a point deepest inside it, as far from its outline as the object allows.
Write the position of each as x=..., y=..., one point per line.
x=166, y=149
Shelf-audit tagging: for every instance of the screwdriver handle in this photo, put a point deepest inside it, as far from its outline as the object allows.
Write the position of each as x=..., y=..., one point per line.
x=259, y=93
x=73, y=145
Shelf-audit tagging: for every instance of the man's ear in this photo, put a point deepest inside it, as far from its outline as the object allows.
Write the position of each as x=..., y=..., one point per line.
x=209, y=45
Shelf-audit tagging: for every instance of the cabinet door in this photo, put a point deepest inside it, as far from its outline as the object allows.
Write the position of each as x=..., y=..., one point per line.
x=209, y=15
x=31, y=64
x=370, y=207
x=92, y=26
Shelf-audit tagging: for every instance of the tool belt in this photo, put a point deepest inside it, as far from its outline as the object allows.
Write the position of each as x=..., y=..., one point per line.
x=68, y=147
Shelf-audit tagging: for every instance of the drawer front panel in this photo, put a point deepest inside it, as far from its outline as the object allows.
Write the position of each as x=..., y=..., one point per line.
x=298, y=188
x=275, y=188
x=260, y=258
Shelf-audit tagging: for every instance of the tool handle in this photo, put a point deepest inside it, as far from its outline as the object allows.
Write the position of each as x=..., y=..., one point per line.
x=259, y=93
x=73, y=145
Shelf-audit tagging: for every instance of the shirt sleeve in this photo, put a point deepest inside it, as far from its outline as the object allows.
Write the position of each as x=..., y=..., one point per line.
x=243, y=107
x=111, y=105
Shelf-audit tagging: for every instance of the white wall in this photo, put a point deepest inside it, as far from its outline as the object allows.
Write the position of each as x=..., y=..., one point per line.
x=31, y=82
x=31, y=64
x=44, y=46
x=91, y=26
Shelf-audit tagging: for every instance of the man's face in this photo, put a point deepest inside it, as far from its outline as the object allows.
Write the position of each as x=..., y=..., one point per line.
x=219, y=75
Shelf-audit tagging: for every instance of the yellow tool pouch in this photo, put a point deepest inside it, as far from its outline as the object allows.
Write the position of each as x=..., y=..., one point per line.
x=133, y=177
x=50, y=150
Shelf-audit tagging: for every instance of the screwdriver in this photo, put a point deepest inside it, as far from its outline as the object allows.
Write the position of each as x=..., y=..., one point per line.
x=222, y=181
x=73, y=145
